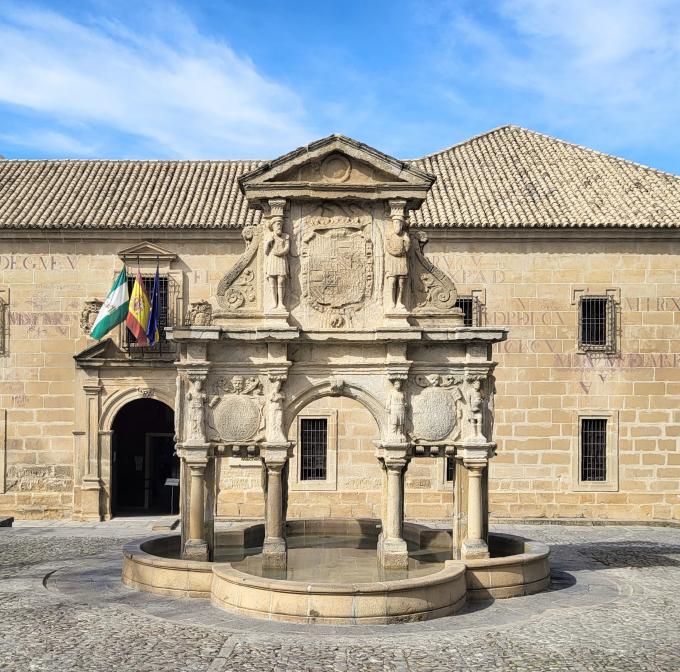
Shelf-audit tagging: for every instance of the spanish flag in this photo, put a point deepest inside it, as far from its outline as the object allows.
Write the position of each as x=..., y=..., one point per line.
x=138, y=314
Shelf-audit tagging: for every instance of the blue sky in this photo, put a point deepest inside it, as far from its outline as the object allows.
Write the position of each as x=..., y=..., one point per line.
x=253, y=79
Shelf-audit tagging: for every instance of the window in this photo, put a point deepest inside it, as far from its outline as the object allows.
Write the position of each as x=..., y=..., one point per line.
x=313, y=449
x=471, y=307
x=597, y=323
x=593, y=449
x=595, y=456
x=163, y=310
x=449, y=468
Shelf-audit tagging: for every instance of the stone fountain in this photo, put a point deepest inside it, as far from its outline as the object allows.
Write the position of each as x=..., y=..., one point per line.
x=334, y=295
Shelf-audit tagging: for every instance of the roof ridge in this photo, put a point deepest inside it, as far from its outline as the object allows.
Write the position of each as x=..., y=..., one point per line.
x=463, y=142
x=540, y=134
x=119, y=161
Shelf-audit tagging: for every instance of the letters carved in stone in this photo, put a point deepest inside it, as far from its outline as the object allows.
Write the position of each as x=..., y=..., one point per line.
x=337, y=265
x=238, y=404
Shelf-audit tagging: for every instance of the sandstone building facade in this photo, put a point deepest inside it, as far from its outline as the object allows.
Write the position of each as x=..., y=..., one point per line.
x=574, y=252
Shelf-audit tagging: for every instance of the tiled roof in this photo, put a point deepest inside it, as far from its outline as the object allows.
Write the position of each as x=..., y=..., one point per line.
x=508, y=177
x=124, y=194
x=512, y=177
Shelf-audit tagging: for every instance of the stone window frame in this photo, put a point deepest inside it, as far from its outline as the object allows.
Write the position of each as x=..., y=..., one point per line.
x=147, y=260
x=478, y=296
x=442, y=485
x=613, y=294
x=611, y=483
x=331, y=482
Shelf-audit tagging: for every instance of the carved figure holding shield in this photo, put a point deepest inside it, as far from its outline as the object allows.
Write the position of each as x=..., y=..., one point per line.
x=276, y=249
x=397, y=246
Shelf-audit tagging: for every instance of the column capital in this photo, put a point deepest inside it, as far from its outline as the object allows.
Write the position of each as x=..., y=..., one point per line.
x=475, y=455
x=275, y=455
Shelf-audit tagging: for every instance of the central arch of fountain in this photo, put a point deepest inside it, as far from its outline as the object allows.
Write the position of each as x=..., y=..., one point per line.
x=334, y=296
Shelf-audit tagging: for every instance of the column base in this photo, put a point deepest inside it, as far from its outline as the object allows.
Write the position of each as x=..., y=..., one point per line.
x=90, y=494
x=393, y=553
x=274, y=554
x=195, y=549
x=474, y=549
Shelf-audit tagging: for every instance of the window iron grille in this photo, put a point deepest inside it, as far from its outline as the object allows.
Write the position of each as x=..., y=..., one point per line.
x=472, y=308
x=164, y=317
x=313, y=449
x=597, y=323
x=593, y=449
x=449, y=469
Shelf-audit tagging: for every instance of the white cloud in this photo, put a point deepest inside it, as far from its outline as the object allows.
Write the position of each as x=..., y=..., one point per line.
x=176, y=92
x=604, y=71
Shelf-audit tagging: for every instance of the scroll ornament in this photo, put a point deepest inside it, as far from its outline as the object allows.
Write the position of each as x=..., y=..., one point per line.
x=237, y=288
x=432, y=289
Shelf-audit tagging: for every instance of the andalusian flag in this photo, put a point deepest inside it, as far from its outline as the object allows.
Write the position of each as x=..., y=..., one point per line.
x=138, y=315
x=115, y=308
x=152, y=328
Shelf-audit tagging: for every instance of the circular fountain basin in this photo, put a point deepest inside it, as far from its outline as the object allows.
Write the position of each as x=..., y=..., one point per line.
x=333, y=575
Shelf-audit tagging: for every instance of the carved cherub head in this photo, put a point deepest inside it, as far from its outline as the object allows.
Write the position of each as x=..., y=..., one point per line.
x=237, y=383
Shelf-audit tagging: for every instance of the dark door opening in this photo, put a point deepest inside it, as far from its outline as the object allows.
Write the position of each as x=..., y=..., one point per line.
x=143, y=458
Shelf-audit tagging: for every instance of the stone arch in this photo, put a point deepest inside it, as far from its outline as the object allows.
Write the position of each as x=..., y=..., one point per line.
x=120, y=398
x=326, y=389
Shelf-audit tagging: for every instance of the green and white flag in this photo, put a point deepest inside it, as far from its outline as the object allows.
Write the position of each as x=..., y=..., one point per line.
x=115, y=308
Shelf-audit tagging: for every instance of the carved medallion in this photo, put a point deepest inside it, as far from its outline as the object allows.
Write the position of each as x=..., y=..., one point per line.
x=337, y=263
x=238, y=418
x=435, y=407
x=238, y=407
x=336, y=168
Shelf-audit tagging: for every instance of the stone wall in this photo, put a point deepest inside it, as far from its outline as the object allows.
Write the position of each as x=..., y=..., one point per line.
x=543, y=383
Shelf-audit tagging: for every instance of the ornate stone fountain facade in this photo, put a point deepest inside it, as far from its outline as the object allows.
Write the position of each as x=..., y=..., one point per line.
x=334, y=296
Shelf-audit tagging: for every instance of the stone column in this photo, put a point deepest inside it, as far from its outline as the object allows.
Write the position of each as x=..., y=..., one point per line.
x=475, y=460
x=393, y=552
x=275, y=549
x=91, y=486
x=196, y=546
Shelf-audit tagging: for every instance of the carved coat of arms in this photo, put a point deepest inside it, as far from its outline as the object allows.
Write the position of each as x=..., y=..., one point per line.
x=337, y=263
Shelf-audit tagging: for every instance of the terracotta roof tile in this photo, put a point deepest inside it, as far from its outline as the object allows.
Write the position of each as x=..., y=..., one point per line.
x=508, y=177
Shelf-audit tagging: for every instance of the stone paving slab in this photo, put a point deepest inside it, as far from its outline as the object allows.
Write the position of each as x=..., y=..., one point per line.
x=614, y=606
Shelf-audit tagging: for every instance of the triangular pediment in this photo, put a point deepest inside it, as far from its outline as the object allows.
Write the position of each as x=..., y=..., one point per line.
x=336, y=166
x=98, y=353
x=146, y=251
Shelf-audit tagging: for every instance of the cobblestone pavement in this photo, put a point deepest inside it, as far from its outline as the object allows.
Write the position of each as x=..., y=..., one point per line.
x=615, y=605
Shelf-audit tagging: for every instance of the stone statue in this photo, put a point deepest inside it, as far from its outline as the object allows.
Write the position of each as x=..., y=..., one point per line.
x=276, y=249
x=397, y=245
x=196, y=411
x=475, y=401
x=397, y=412
x=275, y=413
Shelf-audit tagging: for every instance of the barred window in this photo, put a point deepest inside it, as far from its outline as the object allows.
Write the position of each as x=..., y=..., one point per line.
x=597, y=323
x=471, y=308
x=449, y=468
x=163, y=312
x=593, y=449
x=313, y=449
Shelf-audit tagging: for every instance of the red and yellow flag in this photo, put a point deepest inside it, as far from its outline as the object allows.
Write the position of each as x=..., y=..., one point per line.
x=138, y=314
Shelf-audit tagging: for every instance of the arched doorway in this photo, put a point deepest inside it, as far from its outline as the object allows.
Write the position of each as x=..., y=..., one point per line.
x=143, y=459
